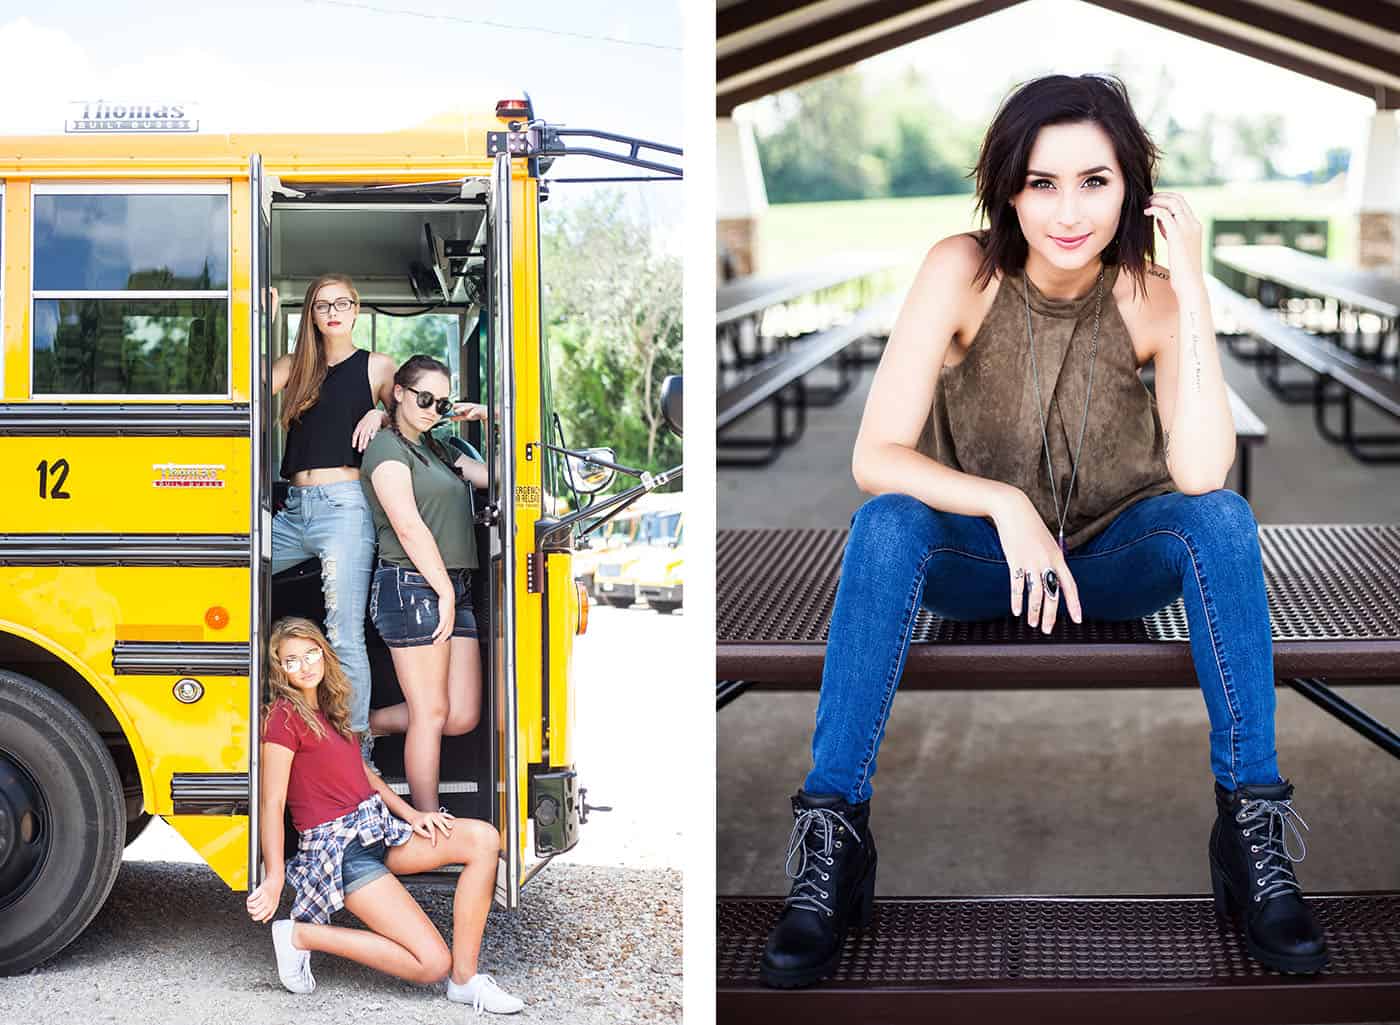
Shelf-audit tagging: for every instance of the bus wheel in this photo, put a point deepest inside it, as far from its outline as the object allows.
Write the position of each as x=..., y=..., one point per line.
x=665, y=607
x=62, y=823
x=135, y=827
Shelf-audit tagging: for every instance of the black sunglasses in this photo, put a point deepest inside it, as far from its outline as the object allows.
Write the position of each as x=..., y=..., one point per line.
x=427, y=398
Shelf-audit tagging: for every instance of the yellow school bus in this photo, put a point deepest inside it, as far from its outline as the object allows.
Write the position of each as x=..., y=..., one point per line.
x=139, y=452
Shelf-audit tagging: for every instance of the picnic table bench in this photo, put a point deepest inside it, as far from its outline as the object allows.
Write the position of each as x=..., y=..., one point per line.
x=1338, y=376
x=754, y=370
x=1331, y=593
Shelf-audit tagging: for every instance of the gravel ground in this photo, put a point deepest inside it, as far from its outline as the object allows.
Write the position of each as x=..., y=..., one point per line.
x=173, y=946
x=597, y=937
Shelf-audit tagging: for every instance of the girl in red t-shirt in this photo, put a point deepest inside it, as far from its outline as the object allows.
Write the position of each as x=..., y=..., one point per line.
x=356, y=836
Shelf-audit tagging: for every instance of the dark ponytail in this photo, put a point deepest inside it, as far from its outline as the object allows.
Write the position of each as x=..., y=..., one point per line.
x=408, y=376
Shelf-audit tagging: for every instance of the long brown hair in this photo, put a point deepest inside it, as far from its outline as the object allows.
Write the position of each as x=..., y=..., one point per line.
x=309, y=357
x=332, y=693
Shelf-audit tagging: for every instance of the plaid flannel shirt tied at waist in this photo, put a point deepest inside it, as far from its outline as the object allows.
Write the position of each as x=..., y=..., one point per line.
x=315, y=872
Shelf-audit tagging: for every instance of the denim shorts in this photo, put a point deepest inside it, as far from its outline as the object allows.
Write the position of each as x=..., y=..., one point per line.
x=362, y=865
x=404, y=605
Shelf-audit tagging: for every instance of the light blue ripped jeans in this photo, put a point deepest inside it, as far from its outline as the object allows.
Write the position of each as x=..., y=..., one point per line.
x=1201, y=548
x=332, y=522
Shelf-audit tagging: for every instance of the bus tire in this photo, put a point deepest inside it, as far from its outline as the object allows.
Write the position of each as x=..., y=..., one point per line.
x=665, y=607
x=61, y=847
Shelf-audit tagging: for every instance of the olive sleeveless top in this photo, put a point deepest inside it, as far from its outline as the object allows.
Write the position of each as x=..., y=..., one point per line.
x=984, y=420
x=321, y=438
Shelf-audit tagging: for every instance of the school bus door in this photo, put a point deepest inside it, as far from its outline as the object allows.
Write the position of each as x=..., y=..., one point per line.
x=260, y=488
x=501, y=454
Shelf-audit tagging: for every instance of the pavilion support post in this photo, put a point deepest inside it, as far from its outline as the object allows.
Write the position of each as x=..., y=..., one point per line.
x=1376, y=196
x=742, y=198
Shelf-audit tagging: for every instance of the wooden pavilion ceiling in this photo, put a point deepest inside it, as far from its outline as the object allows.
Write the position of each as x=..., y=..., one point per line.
x=768, y=45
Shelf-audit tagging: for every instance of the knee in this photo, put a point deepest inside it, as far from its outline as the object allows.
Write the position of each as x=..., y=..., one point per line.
x=478, y=838
x=1221, y=514
x=464, y=721
x=887, y=522
x=434, y=965
x=431, y=716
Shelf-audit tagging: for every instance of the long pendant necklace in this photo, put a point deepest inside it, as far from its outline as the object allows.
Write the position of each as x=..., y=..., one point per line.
x=1044, y=434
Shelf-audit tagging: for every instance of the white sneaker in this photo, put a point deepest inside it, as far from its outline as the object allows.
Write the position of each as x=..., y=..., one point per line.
x=293, y=963
x=483, y=994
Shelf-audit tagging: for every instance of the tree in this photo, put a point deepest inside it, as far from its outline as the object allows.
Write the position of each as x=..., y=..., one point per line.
x=612, y=314
x=1258, y=138
x=820, y=150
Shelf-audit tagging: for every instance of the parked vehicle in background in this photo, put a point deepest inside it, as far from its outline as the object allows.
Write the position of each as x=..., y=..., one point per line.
x=615, y=577
x=622, y=530
x=660, y=574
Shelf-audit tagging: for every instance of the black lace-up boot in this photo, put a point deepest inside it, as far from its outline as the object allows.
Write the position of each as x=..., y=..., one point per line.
x=831, y=861
x=1251, y=870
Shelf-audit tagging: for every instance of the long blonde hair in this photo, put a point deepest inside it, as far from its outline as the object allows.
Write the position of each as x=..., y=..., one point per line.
x=309, y=357
x=332, y=693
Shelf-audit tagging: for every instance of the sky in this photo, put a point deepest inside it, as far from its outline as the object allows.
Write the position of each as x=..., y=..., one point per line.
x=346, y=65
x=972, y=64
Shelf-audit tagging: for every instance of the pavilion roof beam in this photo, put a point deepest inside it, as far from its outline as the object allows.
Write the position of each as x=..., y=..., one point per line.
x=843, y=39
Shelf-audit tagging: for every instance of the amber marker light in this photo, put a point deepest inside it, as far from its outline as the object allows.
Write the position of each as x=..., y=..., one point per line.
x=216, y=617
x=582, y=608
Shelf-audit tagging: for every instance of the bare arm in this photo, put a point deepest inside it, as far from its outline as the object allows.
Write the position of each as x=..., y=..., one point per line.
x=276, y=769
x=281, y=370
x=393, y=485
x=382, y=370
x=885, y=458
x=1191, y=396
x=472, y=469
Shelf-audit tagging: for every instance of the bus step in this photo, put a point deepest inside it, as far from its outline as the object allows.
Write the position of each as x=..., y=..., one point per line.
x=1066, y=959
x=400, y=787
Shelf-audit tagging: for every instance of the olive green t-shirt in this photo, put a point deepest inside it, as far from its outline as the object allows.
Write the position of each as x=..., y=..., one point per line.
x=440, y=494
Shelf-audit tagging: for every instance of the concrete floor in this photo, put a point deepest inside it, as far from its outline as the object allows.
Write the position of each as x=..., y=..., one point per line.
x=1070, y=791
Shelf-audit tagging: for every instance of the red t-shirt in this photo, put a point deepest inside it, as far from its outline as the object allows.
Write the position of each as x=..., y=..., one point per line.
x=328, y=775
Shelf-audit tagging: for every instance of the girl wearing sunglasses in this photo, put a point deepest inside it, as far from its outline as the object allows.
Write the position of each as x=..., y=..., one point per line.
x=420, y=600
x=330, y=394
x=356, y=836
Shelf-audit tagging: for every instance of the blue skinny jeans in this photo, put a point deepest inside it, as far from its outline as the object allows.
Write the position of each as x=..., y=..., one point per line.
x=333, y=523
x=900, y=553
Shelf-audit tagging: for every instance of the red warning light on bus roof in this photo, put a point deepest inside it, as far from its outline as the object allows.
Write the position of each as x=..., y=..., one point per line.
x=513, y=108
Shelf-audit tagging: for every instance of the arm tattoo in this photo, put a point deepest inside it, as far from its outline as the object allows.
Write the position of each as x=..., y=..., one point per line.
x=1158, y=273
x=1195, y=348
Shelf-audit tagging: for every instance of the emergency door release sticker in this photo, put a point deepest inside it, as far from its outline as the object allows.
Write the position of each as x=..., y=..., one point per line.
x=188, y=475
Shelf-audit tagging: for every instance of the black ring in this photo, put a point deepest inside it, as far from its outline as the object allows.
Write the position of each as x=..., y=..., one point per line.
x=1052, y=584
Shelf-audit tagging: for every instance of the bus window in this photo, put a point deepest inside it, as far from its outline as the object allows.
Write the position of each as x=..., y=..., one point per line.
x=130, y=292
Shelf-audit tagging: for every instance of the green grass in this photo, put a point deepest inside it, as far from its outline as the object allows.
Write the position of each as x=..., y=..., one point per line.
x=795, y=235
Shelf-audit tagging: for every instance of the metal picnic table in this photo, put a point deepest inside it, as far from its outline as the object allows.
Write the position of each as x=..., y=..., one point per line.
x=1362, y=291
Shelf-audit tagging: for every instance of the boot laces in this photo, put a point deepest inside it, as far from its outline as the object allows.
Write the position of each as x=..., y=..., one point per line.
x=1271, y=861
x=810, y=845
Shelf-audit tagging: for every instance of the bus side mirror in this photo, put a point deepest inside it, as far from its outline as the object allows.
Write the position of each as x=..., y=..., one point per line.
x=672, y=408
x=589, y=477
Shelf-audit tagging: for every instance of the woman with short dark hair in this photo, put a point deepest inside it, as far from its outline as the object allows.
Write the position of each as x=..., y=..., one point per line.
x=1044, y=472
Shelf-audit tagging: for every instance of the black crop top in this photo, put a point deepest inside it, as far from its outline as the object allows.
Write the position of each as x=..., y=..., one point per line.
x=321, y=438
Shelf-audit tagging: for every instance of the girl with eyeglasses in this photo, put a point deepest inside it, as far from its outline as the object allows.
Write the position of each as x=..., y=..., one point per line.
x=421, y=600
x=356, y=836
x=330, y=395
